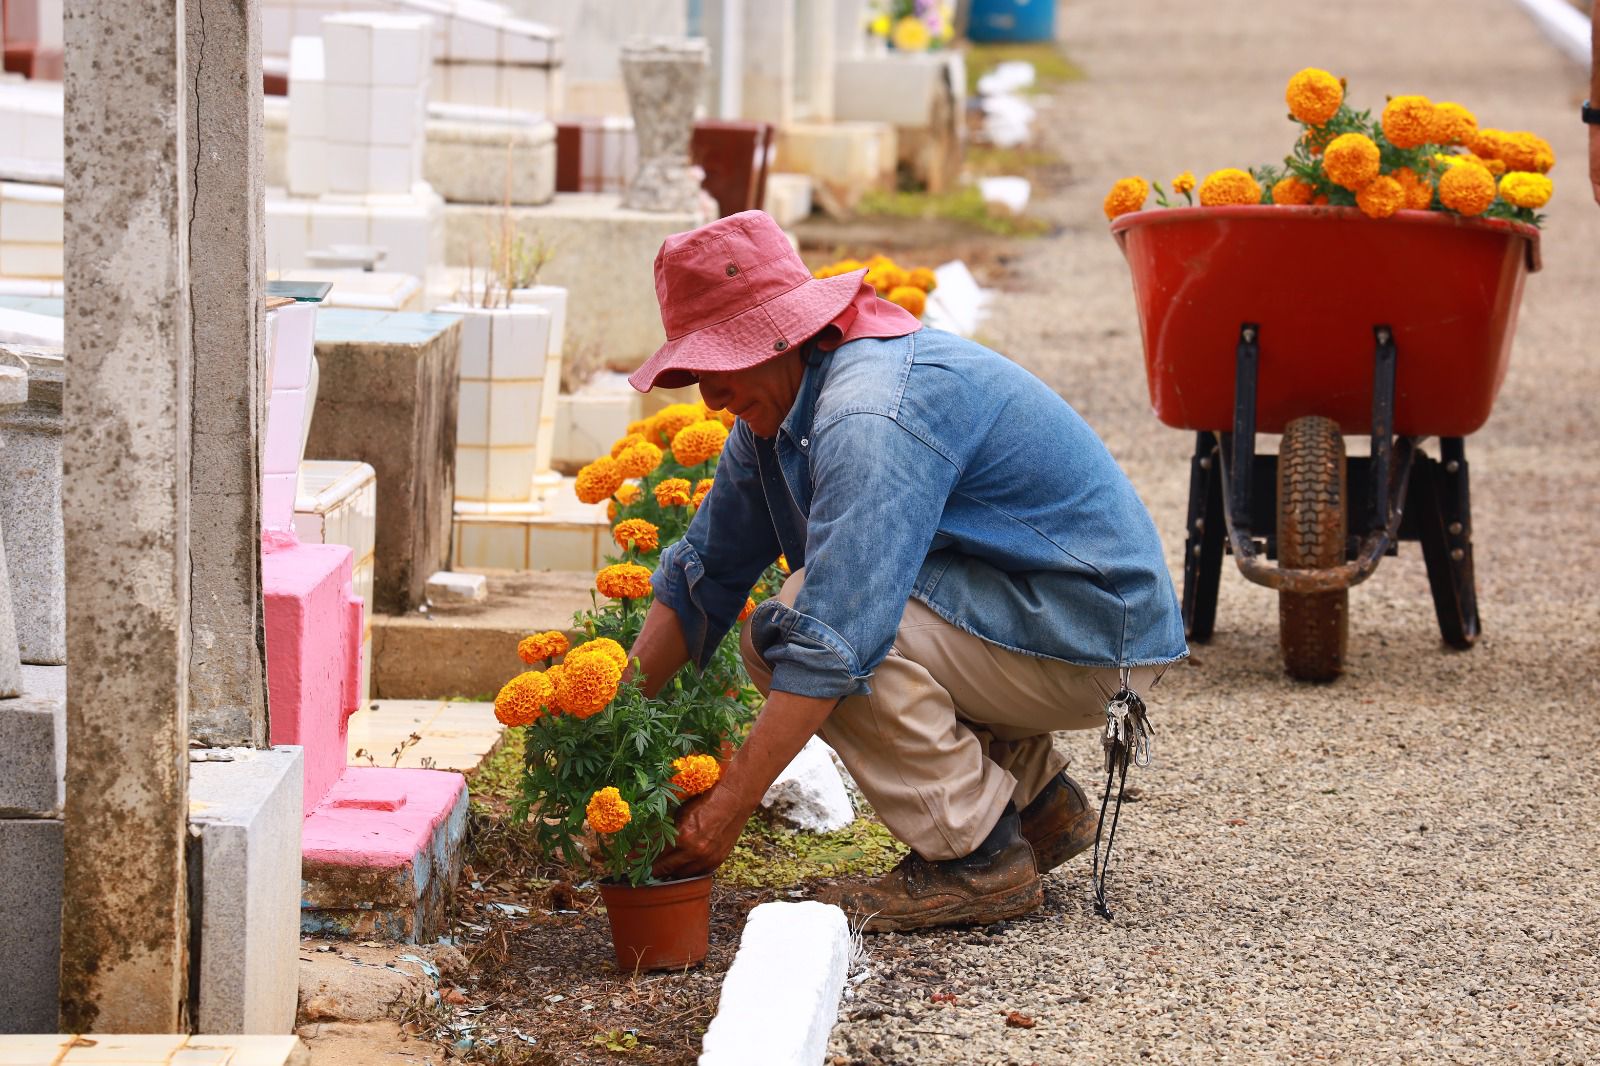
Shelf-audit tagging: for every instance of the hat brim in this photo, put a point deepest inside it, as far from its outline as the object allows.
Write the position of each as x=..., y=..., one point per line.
x=749, y=338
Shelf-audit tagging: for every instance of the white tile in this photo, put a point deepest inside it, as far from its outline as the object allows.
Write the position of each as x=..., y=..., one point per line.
x=474, y=84
x=511, y=473
x=308, y=22
x=42, y=137
x=513, y=413
x=349, y=116
x=392, y=169
x=404, y=233
x=277, y=500
x=400, y=54
x=306, y=164
x=348, y=41
x=308, y=109
x=277, y=26
x=473, y=40
x=11, y=125
x=396, y=115
x=31, y=260
x=307, y=60
x=553, y=547
x=529, y=344
x=492, y=545
x=472, y=475
x=31, y=221
x=472, y=422
x=474, y=343
x=288, y=233
x=349, y=166
x=518, y=45
x=293, y=345
x=525, y=88
x=308, y=527
x=338, y=223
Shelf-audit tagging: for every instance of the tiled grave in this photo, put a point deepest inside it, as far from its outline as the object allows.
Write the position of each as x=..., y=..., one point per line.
x=362, y=290
x=455, y=734
x=558, y=533
x=505, y=368
x=32, y=228
x=32, y=144
x=337, y=503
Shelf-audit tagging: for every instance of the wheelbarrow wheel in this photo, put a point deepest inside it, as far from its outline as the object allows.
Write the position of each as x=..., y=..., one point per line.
x=1312, y=528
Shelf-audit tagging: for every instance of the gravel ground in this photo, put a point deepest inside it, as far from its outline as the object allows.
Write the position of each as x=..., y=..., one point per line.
x=1400, y=866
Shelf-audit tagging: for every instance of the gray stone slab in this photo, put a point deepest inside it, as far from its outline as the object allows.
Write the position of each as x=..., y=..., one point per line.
x=244, y=823
x=44, y=681
x=30, y=923
x=30, y=507
x=33, y=756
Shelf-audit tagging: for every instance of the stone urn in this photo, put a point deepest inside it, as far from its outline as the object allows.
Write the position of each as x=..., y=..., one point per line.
x=664, y=78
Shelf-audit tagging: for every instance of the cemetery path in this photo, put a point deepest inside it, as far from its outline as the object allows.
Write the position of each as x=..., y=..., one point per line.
x=1397, y=866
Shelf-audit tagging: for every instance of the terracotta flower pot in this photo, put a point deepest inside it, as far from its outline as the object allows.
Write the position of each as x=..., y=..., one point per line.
x=660, y=927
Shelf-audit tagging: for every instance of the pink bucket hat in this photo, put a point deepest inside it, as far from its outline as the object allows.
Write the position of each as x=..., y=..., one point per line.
x=734, y=294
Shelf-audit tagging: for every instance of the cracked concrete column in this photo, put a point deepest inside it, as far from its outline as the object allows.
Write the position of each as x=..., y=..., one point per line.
x=227, y=264
x=126, y=511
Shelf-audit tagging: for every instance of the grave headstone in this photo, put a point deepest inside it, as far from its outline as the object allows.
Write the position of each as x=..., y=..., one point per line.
x=665, y=78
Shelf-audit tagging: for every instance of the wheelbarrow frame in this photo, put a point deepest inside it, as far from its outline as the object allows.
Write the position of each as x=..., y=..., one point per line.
x=1396, y=493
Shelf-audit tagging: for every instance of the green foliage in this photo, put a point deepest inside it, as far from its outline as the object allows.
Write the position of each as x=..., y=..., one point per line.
x=769, y=855
x=964, y=205
x=1051, y=65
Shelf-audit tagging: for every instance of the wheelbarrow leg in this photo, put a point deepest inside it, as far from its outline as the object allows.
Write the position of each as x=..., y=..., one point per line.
x=1444, y=518
x=1202, y=547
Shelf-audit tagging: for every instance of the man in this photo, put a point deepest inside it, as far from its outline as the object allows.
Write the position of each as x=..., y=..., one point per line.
x=971, y=571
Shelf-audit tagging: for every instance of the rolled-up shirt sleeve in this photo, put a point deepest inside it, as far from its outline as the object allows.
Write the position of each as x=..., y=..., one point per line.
x=706, y=576
x=879, y=493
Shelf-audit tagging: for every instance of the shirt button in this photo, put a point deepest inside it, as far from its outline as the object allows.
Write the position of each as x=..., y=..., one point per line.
x=805, y=442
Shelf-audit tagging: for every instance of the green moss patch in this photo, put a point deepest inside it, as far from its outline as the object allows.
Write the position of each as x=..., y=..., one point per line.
x=1051, y=64
x=770, y=856
x=964, y=206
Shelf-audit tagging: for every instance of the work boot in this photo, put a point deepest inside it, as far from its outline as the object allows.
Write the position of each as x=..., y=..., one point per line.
x=1059, y=823
x=995, y=882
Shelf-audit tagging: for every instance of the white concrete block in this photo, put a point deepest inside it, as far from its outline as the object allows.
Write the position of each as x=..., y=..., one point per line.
x=348, y=41
x=781, y=996
x=1008, y=192
x=448, y=588
x=809, y=794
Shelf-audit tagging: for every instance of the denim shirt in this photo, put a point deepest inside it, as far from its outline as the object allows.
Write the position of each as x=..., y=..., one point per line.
x=923, y=466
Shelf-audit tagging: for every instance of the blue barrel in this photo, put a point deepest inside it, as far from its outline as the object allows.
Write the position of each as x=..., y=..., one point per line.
x=1012, y=20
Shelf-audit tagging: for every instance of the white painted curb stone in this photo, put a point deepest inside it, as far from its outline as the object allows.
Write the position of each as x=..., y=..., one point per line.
x=1564, y=25
x=809, y=794
x=781, y=996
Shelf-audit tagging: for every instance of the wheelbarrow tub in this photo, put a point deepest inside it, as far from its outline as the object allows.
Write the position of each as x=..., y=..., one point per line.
x=1316, y=280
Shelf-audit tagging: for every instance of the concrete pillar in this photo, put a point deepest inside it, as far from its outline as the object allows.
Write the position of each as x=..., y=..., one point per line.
x=126, y=509
x=227, y=250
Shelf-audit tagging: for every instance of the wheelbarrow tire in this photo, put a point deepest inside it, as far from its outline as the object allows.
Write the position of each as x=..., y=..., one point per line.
x=1312, y=529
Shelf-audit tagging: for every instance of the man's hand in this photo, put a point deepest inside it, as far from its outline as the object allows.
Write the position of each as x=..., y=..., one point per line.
x=1594, y=161
x=708, y=828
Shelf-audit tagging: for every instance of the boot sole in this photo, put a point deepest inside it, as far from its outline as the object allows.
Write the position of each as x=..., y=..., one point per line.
x=982, y=910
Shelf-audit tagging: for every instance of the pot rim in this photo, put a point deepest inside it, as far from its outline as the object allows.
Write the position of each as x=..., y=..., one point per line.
x=654, y=884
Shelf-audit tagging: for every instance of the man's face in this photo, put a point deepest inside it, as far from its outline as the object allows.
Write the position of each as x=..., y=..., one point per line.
x=761, y=395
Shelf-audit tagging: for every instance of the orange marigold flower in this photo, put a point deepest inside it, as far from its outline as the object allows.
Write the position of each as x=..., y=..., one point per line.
x=1126, y=196
x=701, y=488
x=611, y=511
x=783, y=564
x=639, y=459
x=1452, y=124
x=624, y=581
x=1292, y=191
x=695, y=774
x=1408, y=121
x=699, y=443
x=1419, y=192
x=1527, y=152
x=1229, y=186
x=1521, y=189
x=885, y=278
x=1467, y=189
x=601, y=646
x=924, y=279
x=587, y=684
x=667, y=422
x=1489, y=143
x=537, y=647
x=607, y=811
x=520, y=700
x=727, y=418
x=638, y=534
x=749, y=609
x=1183, y=184
x=1381, y=197
x=1351, y=160
x=911, y=298
x=673, y=492
x=598, y=480
x=627, y=494
x=624, y=442
x=1314, y=96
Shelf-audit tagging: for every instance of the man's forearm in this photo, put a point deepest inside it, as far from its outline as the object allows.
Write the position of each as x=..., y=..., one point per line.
x=785, y=724
x=660, y=649
x=1594, y=60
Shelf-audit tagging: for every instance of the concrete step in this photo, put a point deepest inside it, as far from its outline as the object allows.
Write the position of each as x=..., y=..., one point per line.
x=472, y=650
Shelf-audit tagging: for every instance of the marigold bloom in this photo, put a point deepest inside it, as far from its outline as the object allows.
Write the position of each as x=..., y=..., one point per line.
x=624, y=442
x=1229, y=186
x=885, y=278
x=520, y=700
x=1467, y=189
x=611, y=511
x=911, y=298
x=1351, y=160
x=607, y=811
x=624, y=581
x=726, y=417
x=701, y=488
x=673, y=492
x=637, y=534
x=1452, y=124
x=587, y=684
x=1381, y=197
x=1520, y=189
x=639, y=426
x=699, y=443
x=598, y=480
x=1183, y=184
x=1292, y=191
x=1126, y=196
x=639, y=459
x=1408, y=121
x=1489, y=143
x=783, y=564
x=602, y=646
x=695, y=774
x=924, y=279
x=1314, y=96
x=911, y=35
x=1419, y=191
x=1527, y=152
x=749, y=609
x=628, y=493
x=537, y=647
x=668, y=421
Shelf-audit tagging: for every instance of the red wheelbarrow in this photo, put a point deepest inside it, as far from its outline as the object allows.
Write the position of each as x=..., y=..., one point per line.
x=1314, y=322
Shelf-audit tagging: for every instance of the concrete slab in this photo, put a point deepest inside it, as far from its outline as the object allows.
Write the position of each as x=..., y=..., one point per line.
x=56, y=1049
x=33, y=756
x=380, y=855
x=455, y=735
x=472, y=650
x=244, y=822
x=31, y=858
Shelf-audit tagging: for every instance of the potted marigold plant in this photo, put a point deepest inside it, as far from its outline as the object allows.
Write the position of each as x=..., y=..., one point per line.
x=606, y=767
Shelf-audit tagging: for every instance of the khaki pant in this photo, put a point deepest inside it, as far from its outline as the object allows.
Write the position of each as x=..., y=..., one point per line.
x=954, y=727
